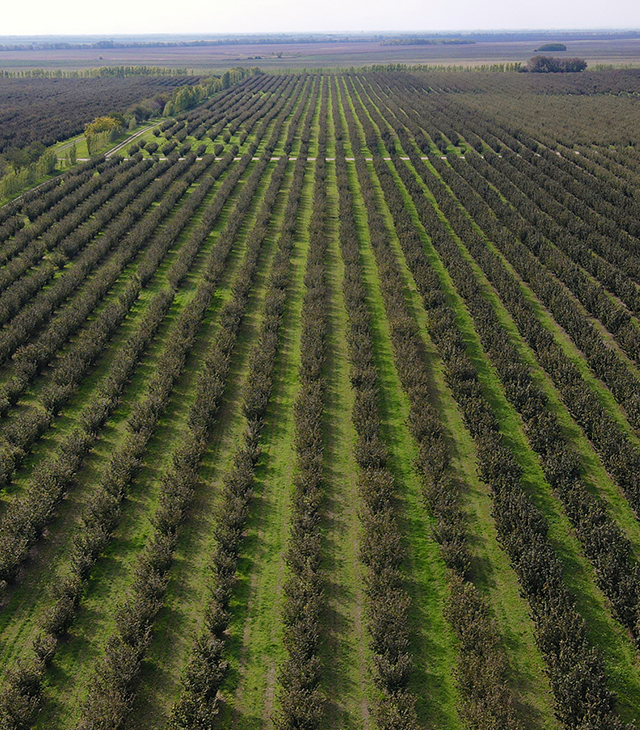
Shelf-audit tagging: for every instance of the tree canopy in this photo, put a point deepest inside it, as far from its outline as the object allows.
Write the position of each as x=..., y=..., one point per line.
x=102, y=124
x=549, y=64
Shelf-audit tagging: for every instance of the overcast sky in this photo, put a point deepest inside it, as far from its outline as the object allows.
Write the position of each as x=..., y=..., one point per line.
x=30, y=17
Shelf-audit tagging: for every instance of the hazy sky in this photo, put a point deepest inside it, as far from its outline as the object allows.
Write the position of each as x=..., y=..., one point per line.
x=28, y=17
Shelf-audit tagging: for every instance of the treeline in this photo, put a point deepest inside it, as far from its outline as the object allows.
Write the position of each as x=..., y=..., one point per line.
x=28, y=174
x=437, y=68
x=427, y=42
x=114, y=258
x=549, y=64
x=64, y=286
x=187, y=97
x=522, y=96
x=618, y=453
x=156, y=251
x=553, y=47
x=235, y=110
x=29, y=244
x=92, y=73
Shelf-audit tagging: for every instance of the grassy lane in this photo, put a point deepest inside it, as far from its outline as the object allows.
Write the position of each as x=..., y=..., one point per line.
x=603, y=630
x=255, y=631
x=186, y=595
x=23, y=606
x=434, y=649
x=113, y=574
x=344, y=655
x=312, y=150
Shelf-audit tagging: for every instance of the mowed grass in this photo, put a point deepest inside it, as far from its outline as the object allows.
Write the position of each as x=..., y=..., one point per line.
x=256, y=630
x=434, y=646
x=186, y=596
x=346, y=682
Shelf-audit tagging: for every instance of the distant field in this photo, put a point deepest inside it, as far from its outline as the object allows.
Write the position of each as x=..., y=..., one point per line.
x=320, y=408
x=318, y=55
